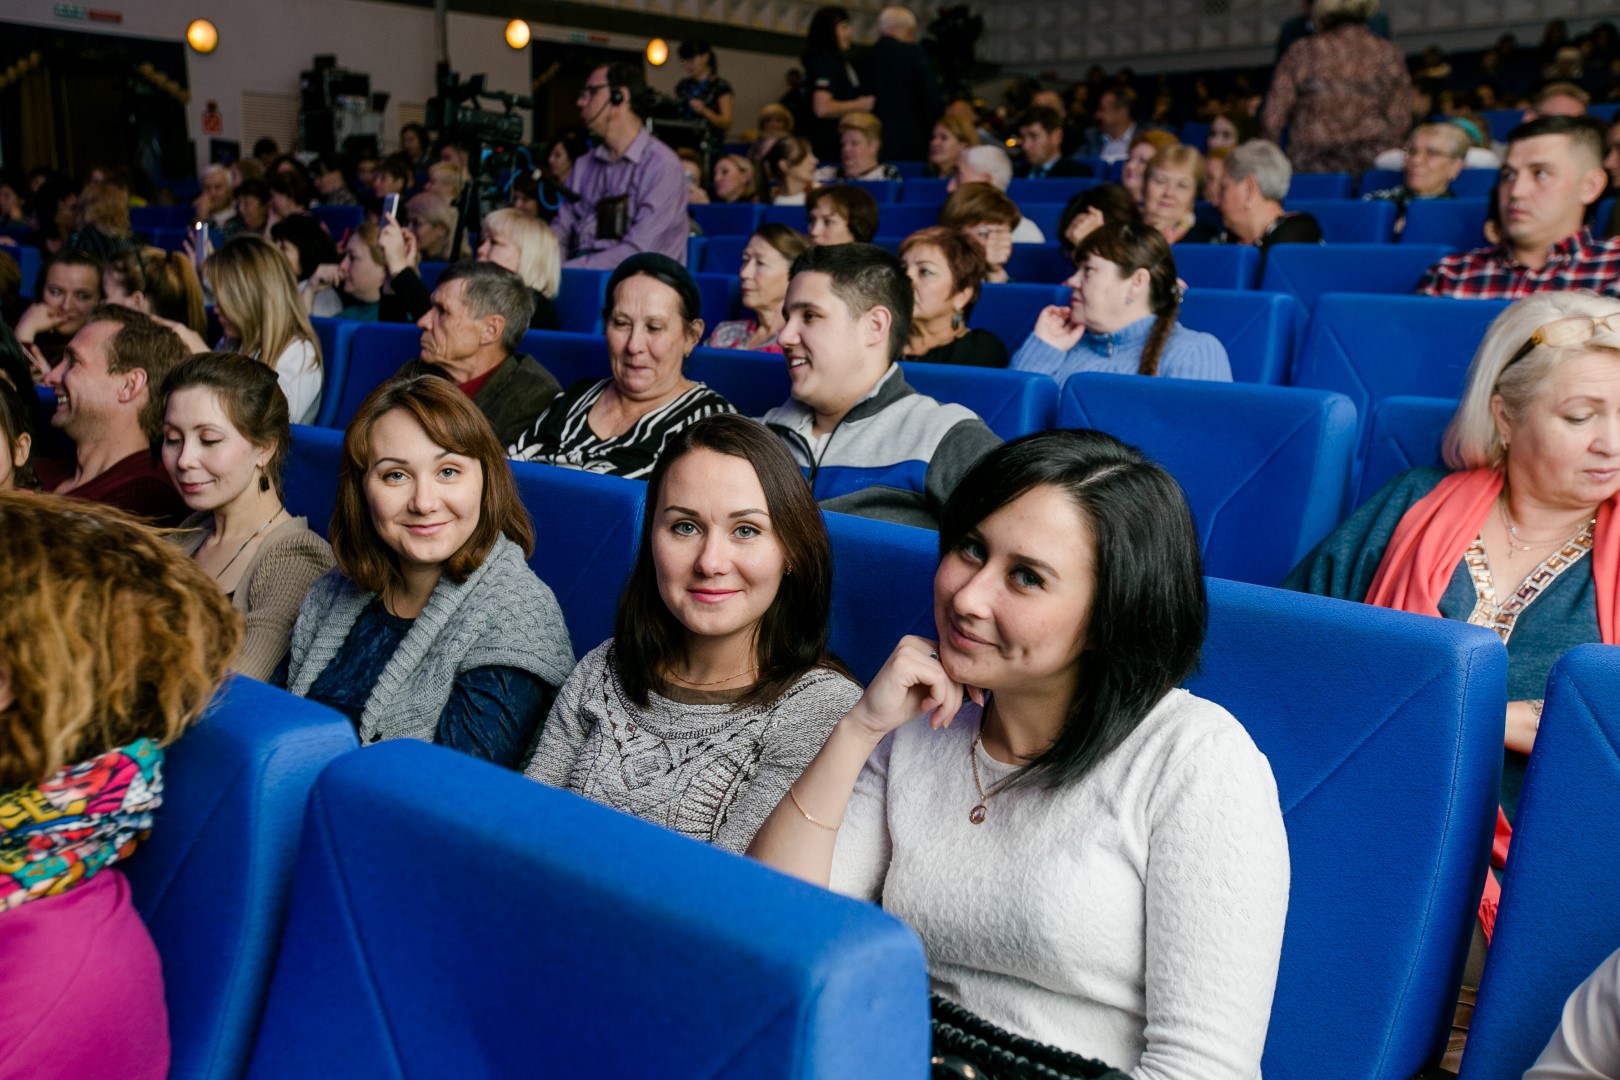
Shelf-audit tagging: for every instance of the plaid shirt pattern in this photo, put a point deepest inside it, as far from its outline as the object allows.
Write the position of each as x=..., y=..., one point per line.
x=1489, y=273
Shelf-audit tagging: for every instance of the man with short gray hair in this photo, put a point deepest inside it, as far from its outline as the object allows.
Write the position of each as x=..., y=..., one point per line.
x=897, y=73
x=472, y=334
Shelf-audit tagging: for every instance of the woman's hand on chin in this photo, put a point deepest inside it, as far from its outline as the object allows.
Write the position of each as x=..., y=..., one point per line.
x=1054, y=326
x=911, y=683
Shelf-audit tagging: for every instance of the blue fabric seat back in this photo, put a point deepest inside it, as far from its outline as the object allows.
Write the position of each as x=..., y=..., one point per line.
x=1387, y=770
x=1059, y=190
x=376, y=352
x=581, y=299
x=339, y=219
x=596, y=945
x=1045, y=215
x=1375, y=180
x=1345, y=221
x=586, y=530
x=1265, y=468
x=1458, y=224
x=723, y=254
x=309, y=478
x=337, y=340
x=1404, y=433
x=1474, y=183
x=1560, y=912
x=29, y=262
x=1369, y=348
x=1306, y=271
x=884, y=191
x=903, y=219
x=726, y=219
x=928, y=189
x=569, y=357
x=891, y=244
x=174, y=238
x=429, y=272
x=722, y=298
x=1011, y=403
x=1009, y=311
x=1259, y=329
x=1039, y=264
x=1502, y=122
x=753, y=382
x=1320, y=186
x=796, y=217
x=1217, y=266
x=883, y=588
x=1195, y=136
x=213, y=879
x=911, y=170
x=695, y=246
x=147, y=218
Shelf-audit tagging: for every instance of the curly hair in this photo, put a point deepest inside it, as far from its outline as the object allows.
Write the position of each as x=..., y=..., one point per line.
x=109, y=634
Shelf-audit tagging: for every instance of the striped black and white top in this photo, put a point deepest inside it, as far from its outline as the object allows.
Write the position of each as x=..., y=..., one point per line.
x=563, y=436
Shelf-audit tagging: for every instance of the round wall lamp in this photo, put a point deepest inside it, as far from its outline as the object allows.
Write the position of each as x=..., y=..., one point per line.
x=517, y=34
x=657, y=52
x=202, y=36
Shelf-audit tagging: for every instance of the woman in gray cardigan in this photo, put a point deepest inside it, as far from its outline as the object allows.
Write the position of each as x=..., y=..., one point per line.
x=432, y=626
x=717, y=688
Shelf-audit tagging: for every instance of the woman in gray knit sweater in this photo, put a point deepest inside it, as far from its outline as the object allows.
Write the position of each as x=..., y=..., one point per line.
x=717, y=689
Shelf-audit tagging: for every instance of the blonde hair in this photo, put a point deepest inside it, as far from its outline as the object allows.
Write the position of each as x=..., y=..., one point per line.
x=451, y=173
x=863, y=122
x=109, y=631
x=961, y=129
x=255, y=290
x=1180, y=156
x=539, y=260
x=776, y=111
x=1472, y=440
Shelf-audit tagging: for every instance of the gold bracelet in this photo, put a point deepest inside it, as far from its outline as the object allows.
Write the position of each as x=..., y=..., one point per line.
x=807, y=817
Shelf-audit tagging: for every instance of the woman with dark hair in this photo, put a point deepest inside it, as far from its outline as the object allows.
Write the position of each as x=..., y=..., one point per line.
x=290, y=195
x=719, y=662
x=621, y=424
x=947, y=272
x=161, y=284
x=1090, y=210
x=16, y=433
x=764, y=275
x=840, y=214
x=416, y=146
x=1123, y=318
x=567, y=147
x=1093, y=857
x=830, y=81
x=308, y=247
x=55, y=216
x=432, y=626
x=704, y=95
x=13, y=199
x=789, y=167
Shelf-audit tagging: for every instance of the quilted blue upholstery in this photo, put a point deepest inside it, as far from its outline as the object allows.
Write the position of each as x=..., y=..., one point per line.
x=1369, y=348
x=1560, y=912
x=212, y=881
x=581, y=299
x=1216, y=266
x=337, y=340
x=451, y=918
x=309, y=477
x=883, y=588
x=723, y=254
x=1456, y=223
x=726, y=219
x=376, y=352
x=1405, y=432
x=1259, y=329
x=1384, y=731
x=1039, y=264
x=1306, y=271
x=1009, y=311
x=1319, y=186
x=586, y=529
x=1265, y=468
x=1346, y=221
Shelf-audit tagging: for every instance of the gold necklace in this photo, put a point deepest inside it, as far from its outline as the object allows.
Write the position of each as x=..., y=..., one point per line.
x=977, y=814
x=683, y=680
x=1516, y=543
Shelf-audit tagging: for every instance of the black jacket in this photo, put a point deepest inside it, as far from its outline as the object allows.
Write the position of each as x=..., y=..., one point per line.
x=899, y=75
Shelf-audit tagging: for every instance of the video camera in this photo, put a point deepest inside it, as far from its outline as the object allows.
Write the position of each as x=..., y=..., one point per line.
x=449, y=113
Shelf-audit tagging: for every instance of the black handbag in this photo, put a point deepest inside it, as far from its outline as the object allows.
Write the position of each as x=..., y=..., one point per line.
x=969, y=1047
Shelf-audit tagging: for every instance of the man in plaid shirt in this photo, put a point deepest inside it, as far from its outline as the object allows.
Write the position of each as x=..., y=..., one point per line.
x=1553, y=172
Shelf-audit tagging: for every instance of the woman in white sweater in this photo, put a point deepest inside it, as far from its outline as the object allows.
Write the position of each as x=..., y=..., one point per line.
x=717, y=688
x=1093, y=858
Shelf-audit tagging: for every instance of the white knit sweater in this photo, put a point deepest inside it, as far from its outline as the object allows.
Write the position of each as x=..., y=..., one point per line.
x=1135, y=917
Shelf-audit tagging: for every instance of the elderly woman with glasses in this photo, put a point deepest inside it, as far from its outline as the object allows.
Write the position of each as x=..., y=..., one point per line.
x=1519, y=532
x=1434, y=157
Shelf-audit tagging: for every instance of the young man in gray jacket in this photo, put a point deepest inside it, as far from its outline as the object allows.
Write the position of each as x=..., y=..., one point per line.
x=869, y=443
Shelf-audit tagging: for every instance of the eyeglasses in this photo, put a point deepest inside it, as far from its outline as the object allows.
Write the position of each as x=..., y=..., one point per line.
x=1430, y=153
x=1575, y=330
x=587, y=91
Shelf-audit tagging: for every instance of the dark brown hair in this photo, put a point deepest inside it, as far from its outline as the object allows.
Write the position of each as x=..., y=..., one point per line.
x=452, y=421
x=792, y=634
x=1113, y=201
x=963, y=258
x=251, y=397
x=1141, y=247
x=857, y=205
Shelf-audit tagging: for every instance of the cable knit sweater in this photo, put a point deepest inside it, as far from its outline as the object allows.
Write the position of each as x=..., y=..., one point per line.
x=502, y=615
x=711, y=771
x=1135, y=917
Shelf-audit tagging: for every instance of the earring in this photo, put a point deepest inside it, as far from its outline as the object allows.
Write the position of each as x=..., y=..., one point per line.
x=956, y=320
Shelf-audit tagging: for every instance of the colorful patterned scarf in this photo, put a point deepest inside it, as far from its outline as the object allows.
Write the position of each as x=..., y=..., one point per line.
x=57, y=834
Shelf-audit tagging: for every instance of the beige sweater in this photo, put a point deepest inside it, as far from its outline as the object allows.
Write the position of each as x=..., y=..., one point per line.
x=289, y=560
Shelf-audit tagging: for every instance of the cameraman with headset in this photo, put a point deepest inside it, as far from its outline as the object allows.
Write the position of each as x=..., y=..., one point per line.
x=632, y=192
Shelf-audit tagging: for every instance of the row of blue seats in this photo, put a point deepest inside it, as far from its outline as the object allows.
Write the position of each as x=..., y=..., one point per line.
x=337, y=219
x=1381, y=729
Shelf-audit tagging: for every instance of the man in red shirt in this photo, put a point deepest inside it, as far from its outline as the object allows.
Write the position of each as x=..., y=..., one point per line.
x=108, y=402
x=1552, y=174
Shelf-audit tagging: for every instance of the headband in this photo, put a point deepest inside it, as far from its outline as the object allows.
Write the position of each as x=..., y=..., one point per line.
x=1471, y=128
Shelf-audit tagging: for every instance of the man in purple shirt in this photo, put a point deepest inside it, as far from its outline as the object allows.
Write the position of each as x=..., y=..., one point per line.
x=627, y=164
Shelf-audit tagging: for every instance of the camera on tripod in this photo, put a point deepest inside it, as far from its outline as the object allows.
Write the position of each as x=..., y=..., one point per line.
x=454, y=109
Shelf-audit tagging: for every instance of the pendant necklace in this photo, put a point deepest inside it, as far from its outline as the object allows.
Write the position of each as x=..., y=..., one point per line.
x=977, y=814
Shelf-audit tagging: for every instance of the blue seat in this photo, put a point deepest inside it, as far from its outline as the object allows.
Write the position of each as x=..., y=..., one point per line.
x=147, y=218
x=1039, y=264
x=1045, y=216
x=1011, y=403
x=1049, y=191
x=928, y=189
x=1474, y=183
x=597, y=945
x=722, y=297
x=376, y=352
x=29, y=262
x=903, y=219
x=309, y=478
x=726, y=219
x=429, y=273
x=911, y=170
x=337, y=339
x=1387, y=770
x=1009, y=311
x=1458, y=224
x=569, y=357
x=339, y=219
x=753, y=382
x=1259, y=329
x=1306, y=271
x=1605, y=111
x=1602, y=215
x=1377, y=180
x=1320, y=186
x=581, y=298
x=1196, y=135
x=694, y=252
x=585, y=571
x=1502, y=122
x=1216, y=266
x=1346, y=221
x=1265, y=468
x=873, y=559
x=213, y=880
x=1560, y=912
x=884, y=191
x=1206, y=214
x=174, y=238
x=1404, y=433
x=1369, y=348
x=723, y=254
x=796, y=217
x=891, y=244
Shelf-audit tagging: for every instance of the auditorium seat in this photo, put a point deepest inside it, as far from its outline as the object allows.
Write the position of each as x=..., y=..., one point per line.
x=569, y=357
x=1265, y=468
x=911, y=170
x=1373, y=347
x=722, y=298
x=1039, y=264
x=753, y=382
x=883, y=588
x=1502, y=122
x=376, y=351
x=1320, y=186
x=891, y=244
x=884, y=191
x=694, y=252
x=1009, y=311
x=581, y=299
x=796, y=217
x=1384, y=733
x=1458, y=224
x=1306, y=271
x=309, y=476
x=587, y=528
x=213, y=879
x=1470, y=183
x=903, y=219
x=1045, y=216
x=723, y=254
x=1258, y=329
x=174, y=239
x=144, y=219
x=451, y=918
x=1196, y=135
x=1049, y=191
x=928, y=189
x=337, y=339
x=1216, y=266
x=339, y=219
x=1560, y=912
x=29, y=262
x=1348, y=221
x=1404, y=433
x=429, y=273
x=725, y=219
